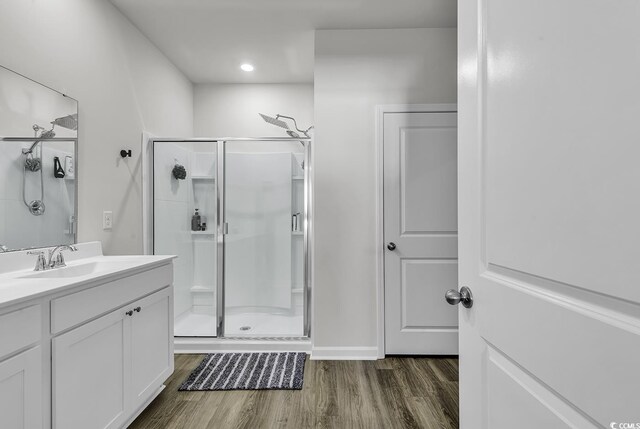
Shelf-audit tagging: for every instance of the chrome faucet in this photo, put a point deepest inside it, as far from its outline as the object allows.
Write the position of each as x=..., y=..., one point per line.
x=43, y=264
x=58, y=262
x=3, y=248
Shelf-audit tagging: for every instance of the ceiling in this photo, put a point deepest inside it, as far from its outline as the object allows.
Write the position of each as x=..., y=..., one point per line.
x=209, y=39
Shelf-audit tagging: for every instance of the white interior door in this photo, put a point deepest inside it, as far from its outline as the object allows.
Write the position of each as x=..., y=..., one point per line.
x=420, y=231
x=549, y=146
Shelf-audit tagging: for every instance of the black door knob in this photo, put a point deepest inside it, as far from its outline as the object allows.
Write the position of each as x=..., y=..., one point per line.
x=391, y=246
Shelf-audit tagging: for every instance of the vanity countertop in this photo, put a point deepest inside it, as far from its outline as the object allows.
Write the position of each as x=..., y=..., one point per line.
x=19, y=282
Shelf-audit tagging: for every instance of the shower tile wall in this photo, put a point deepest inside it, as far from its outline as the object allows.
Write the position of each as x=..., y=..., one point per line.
x=172, y=235
x=297, y=240
x=202, y=197
x=175, y=202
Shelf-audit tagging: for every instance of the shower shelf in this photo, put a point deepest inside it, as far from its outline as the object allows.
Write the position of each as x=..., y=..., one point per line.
x=202, y=178
x=202, y=233
x=297, y=177
x=297, y=233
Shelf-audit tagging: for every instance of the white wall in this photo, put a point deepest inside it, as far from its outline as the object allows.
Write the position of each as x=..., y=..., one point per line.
x=355, y=71
x=231, y=110
x=124, y=85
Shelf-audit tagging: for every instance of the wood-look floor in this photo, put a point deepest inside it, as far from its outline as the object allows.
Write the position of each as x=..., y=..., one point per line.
x=397, y=392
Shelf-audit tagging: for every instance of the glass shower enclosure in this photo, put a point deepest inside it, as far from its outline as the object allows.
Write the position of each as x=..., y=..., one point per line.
x=235, y=211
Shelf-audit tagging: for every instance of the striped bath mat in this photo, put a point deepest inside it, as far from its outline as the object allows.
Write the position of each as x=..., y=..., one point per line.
x=248, y=371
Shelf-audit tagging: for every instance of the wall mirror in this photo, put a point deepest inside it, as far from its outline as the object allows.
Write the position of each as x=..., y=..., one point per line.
x=38, y=154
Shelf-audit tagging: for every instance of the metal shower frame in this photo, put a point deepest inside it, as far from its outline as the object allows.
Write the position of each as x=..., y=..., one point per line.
x=221, y=222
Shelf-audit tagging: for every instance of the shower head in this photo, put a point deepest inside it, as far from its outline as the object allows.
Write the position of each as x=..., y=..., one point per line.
x=69, y=122
x=274, y=121
x=282, y=124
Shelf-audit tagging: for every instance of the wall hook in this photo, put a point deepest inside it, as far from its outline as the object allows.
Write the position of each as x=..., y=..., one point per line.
x=125, y=153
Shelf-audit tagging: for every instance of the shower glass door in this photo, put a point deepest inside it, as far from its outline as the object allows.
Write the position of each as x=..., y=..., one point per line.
x=184, y=181
x=264, y=257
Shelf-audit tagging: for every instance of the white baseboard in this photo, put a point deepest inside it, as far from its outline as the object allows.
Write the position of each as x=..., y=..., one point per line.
x=344, y=353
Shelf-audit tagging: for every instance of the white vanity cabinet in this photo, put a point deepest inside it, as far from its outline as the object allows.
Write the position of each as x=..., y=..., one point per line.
x=21, y=364
x=107, y=370
x=85, y=351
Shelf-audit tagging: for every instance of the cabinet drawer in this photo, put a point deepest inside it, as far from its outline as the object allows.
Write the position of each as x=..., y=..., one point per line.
x=71, y=310
x=20, y=328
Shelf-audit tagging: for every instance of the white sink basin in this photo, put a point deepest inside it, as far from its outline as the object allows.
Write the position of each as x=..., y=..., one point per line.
x=79, y=270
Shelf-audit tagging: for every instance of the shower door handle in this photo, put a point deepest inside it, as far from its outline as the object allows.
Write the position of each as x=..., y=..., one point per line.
x=225, y=228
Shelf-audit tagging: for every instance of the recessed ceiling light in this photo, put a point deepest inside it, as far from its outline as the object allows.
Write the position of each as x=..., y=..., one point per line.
x=246, y=67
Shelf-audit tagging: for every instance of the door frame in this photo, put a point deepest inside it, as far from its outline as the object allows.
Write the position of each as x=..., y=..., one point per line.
x=381, y=110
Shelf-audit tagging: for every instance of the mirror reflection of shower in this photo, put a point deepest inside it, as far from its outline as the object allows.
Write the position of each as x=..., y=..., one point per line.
x=33, y=159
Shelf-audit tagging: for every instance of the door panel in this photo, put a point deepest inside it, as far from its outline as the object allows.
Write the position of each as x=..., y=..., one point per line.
x=418, y=309
x=428, y=179
x=94, y=355
x=548, y=214
x=566, y=344
x=21, y=386
x=420, y=205
x=151, y=344
x=509, y=385
x=561, y=156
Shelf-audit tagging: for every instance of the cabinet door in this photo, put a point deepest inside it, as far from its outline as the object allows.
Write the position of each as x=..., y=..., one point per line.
x=20, y=390
x=151, y=344
x=91, y=374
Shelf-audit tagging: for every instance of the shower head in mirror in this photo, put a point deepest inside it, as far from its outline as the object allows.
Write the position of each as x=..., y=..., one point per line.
x=69, y=122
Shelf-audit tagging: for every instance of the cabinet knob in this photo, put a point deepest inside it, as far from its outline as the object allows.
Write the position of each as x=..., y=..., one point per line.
x=137, y=309
x=129, y=313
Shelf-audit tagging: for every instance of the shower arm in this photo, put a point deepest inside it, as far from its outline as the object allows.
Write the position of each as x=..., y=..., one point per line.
x=295, y=124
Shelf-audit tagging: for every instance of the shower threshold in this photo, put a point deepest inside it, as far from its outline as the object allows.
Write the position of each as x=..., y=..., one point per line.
x=241, y=344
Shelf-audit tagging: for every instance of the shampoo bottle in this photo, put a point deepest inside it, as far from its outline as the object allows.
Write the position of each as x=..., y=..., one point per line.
x=195, y=221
